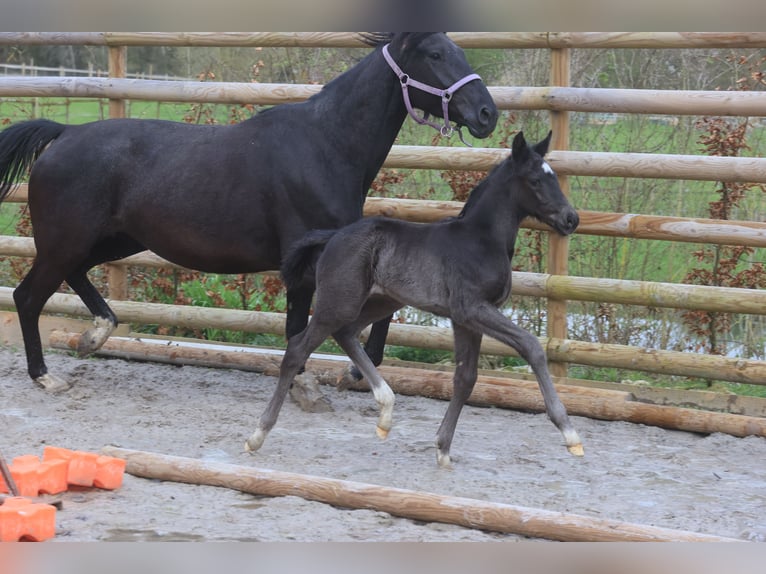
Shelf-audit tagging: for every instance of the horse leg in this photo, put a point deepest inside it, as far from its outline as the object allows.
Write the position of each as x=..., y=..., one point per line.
x=347, y=338
x=298, y=350
x=374, y=348
x=493, y=323
x=104, y=319
x=30, y=298
x=467, y=346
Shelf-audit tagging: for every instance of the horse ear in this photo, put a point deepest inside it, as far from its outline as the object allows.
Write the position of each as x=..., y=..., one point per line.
x=519, y=148
x=542, y=147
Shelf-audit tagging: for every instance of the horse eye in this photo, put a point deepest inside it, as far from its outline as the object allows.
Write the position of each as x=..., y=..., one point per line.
x=534, y=182
x=435, y=56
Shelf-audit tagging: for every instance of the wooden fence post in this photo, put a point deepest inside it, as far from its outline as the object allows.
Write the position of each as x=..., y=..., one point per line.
x=558, y=247
x=118, y=63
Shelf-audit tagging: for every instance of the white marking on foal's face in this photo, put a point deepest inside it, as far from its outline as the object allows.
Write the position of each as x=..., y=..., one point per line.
x=548, y=169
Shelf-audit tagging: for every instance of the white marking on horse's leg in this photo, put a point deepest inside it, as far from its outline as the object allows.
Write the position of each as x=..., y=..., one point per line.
x=256, y=440
x=52, y=383
x=92, y=339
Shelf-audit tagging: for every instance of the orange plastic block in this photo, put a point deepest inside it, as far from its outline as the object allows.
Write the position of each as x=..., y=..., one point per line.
x=88, y=468
x=22, y=519
x=109, y=472
x=33, y=476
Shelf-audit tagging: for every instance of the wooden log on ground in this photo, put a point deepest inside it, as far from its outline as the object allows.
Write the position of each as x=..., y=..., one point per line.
x=515, y=394
x=415, y=505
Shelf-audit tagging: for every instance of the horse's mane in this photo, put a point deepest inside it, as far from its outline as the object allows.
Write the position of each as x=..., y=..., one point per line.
x=375, y=39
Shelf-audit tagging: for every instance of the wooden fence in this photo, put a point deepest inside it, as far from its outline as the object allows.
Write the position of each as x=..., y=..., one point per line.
x=560, y=99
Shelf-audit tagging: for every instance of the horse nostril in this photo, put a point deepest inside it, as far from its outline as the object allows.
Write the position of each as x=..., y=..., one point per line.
x=486, y=115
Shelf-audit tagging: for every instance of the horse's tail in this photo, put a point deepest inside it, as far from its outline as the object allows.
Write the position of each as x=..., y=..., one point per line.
x=300, y=261
x=20, y=145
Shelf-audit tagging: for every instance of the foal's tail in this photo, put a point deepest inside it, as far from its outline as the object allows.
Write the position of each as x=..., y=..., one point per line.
x=301, y=259
x=20, y=145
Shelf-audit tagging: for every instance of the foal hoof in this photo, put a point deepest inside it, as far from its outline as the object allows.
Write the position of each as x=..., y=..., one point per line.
x=382, y=433
x=52, y=384
x=255, y=441
x=576, y=450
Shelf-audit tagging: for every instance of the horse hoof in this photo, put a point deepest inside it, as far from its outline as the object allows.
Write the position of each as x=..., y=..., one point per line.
x=52, y=384
x=382, y=433
x=576, y=450
x=94, y=338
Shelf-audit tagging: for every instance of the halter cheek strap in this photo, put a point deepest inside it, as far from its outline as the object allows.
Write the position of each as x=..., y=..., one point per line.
x=445, y=95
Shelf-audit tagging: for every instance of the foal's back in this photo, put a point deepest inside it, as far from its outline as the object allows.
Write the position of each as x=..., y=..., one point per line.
x=429, y=266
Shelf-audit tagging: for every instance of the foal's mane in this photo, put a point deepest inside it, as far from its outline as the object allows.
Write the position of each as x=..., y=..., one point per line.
x=477, y=191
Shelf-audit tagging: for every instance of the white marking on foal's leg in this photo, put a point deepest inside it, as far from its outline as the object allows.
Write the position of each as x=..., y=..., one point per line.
x=443, y=459
x=574, y=444
x=51, y=383
x=385, y=398
x=256, y=440
x=92, y=339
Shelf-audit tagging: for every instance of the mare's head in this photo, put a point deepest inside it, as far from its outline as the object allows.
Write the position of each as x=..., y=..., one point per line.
x=433, y=59
x=539, y=194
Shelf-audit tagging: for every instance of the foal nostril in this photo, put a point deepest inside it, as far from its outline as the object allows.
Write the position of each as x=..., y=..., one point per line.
x=573, y=220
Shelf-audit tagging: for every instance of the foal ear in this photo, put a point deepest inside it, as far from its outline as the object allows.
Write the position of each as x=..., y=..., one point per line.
x=542, y=147
x=519, y=148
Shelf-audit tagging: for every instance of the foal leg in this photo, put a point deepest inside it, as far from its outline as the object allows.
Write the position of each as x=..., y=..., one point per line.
x=347, y=339
x=304, y=389
x=492, y=322
x=467, y=346
x=374, y=348
x=298, y=350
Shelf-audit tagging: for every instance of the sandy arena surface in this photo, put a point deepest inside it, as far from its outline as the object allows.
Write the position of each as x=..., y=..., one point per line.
x=712, y=484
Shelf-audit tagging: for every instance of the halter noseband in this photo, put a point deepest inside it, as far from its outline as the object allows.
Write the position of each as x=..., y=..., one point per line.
x=445, y=95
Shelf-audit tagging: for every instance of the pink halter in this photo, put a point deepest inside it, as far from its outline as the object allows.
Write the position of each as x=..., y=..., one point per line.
x=446, y=95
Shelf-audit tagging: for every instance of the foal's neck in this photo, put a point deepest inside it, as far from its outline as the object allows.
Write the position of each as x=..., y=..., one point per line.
x=493, y=210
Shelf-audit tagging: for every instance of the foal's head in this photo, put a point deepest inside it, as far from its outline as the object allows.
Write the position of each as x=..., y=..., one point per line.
x=539, y=194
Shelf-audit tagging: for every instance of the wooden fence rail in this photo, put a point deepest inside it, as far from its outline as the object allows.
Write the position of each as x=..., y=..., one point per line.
x=559, y=287
x=564, y=350
x=628, y=101
x=496, y=40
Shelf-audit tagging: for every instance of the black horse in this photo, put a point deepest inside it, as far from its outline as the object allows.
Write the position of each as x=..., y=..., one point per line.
x=224, y=199
x=458, y=268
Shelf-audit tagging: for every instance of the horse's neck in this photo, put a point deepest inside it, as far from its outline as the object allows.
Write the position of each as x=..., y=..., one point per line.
x=363, y=111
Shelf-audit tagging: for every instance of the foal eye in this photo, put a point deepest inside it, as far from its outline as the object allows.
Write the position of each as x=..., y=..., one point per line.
x=534, y=182
x=435, y=56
